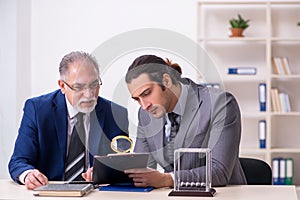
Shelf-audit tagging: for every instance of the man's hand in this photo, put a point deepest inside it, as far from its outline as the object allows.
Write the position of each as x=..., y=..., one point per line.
x=149, y=177
x=88, y=175
x=35, y=179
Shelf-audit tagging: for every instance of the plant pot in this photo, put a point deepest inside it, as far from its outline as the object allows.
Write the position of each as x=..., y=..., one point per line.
x=236, y=32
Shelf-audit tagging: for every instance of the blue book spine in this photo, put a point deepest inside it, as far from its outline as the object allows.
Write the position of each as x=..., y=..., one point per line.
x=262, y=129
x=262, y=96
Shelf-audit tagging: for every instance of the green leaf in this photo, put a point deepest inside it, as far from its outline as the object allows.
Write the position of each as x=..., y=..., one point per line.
x=239, y=22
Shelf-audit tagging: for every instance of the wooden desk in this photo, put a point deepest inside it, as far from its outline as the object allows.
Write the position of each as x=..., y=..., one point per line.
x=11, y=190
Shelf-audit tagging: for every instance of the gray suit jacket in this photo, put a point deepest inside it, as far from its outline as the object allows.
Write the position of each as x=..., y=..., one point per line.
x=211, y=120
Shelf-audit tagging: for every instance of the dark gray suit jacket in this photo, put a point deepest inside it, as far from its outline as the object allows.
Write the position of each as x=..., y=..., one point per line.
x=211, y=120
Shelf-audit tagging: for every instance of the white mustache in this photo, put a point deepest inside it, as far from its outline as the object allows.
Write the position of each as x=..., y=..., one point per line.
x=87, y=100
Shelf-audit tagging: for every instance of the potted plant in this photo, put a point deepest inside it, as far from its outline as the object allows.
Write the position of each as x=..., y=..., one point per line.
x=238, y=26
x=298, y=23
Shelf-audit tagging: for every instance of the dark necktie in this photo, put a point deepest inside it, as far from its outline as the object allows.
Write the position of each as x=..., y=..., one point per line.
x=169, y=149
x=75, y=162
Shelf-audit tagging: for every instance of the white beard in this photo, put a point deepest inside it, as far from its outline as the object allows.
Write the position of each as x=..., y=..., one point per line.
x=86, y=109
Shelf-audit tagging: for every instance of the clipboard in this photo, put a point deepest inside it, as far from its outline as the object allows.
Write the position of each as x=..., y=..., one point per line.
x=110, y=169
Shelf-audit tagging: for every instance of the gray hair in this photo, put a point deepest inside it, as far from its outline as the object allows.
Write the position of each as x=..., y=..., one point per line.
x=76, y=56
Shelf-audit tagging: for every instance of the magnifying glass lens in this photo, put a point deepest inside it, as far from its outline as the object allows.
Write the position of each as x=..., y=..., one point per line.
x=121, y=144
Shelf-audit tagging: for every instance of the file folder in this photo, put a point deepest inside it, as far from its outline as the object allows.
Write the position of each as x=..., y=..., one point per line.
x=275, y=171
x=262, y=133
x=242, y=70
x=289, y=171
x=282, y=171
x=125, y=188
x=262, y=96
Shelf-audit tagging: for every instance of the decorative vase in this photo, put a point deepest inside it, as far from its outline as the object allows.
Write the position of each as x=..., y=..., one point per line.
x=237, y=32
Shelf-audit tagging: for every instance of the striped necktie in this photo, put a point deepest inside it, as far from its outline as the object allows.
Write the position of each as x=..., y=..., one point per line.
x=169, y=149
x=75, y=162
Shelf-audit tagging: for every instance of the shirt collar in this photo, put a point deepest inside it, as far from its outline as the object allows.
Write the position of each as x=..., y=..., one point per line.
x=71, y=110
x=180, y=105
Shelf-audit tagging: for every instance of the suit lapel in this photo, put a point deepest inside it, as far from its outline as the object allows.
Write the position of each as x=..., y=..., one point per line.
x=60, y=120
x=96, y=122
x=155, y=136
x=187, y=124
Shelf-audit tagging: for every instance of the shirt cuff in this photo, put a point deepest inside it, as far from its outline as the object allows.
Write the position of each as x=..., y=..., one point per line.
x=173, y=176
x=23, y=175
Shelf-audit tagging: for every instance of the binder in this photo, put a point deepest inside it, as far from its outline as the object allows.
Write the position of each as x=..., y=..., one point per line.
x=262, y=133
x=262, y=96
x=242, y=70
x=275, y=171
x=282, y=171
x=289, y=162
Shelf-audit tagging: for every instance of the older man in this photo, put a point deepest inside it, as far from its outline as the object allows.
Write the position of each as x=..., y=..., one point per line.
x=61, y=131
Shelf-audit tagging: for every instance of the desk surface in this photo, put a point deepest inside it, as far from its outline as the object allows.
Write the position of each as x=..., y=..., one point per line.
x=11, y=190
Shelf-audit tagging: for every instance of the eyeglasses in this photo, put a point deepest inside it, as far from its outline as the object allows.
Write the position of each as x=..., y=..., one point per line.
x=80, y=87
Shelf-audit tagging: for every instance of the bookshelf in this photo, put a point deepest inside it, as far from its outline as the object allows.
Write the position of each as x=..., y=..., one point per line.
x=273, y=32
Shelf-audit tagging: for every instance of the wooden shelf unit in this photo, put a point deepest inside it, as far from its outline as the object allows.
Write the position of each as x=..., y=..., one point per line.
x=273, y=31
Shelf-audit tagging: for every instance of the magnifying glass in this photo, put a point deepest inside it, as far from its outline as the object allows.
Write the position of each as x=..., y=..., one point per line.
x=121, y=144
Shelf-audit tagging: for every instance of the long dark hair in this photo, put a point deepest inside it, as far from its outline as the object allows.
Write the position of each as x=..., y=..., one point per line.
x=155, y=67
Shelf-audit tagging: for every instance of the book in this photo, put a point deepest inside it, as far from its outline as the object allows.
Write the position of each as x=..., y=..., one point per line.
x=273, y=103
x=242, y=70
x=262, y=133
x=286, y=67
x=274, y=66
x=275, y=100
x=280, y=66
x=287, y=103
x=282, y=101
x=262, y=96
x=63, y=190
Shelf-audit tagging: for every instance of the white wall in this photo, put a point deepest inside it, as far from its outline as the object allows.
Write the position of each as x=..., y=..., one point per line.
x=15, y=72
x=39, y=32
x=62, y=26
x=8, y=116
